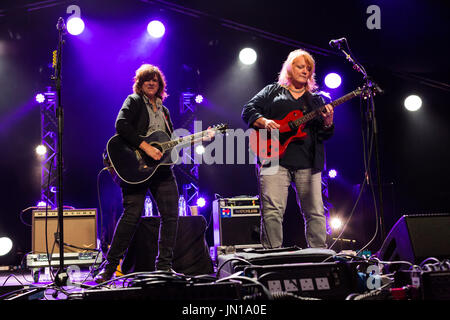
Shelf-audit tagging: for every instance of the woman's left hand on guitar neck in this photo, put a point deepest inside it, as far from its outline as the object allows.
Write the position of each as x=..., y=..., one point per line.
x=327, y=115
x=210, y=133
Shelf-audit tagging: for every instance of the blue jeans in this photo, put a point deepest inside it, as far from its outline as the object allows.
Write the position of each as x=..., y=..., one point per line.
x=164, y=189
x=274, y=189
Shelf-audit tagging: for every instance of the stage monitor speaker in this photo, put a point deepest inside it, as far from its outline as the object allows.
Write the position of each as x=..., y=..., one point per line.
x=229, y=264
x=415, y=238
x=80, y=230
x=236, y=221
x=191, y=253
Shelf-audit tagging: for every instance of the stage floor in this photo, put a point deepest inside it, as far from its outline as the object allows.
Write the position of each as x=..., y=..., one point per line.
x=258, y=275
x=21, y=284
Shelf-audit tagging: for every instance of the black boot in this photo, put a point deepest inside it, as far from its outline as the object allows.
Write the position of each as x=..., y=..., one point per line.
x=105, y=275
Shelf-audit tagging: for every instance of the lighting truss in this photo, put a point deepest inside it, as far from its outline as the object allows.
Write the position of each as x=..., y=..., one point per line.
x=190, y=192
x=49, y=137
x=188, y=166
x=187, y=102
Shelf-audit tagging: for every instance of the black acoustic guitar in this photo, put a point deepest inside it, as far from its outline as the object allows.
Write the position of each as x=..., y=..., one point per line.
x=133, y=166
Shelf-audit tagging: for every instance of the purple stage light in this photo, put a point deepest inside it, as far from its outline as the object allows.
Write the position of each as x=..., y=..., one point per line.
x=40, y=98
x=332, y=173
x=156, y=29
x=199, y=98
x=75, y=26
x=201, y=202
x=333, y=80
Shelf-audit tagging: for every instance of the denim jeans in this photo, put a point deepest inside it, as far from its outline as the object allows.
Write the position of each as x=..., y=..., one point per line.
x=274, y=190
x=164, y=189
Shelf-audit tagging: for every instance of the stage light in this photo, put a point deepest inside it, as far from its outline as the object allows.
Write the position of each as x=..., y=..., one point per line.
x=40, y=98
x=200, y=149
x=199, y=98
x=333, y=80
x=413, y=103
x=41, y=150
x=332, y=173
x=75, y=26
x=247, y=56
x=41, y=204
x=6, y=245
x=156, y=29
x=201, y=202
x=335, y=223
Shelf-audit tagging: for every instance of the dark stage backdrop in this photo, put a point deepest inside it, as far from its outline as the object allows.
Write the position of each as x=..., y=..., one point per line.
x=200, y=52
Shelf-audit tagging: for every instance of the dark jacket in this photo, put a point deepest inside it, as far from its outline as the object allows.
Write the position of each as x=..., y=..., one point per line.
x=260, y=106
x=133, y=120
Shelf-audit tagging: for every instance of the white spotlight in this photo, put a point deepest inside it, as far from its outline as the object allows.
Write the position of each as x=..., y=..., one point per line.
x=247, y=56
x=200, y=149
x=335, y=223
x=413, y=103
x=6, y=245
x=333, y=80
x=41, y=150
x=75, y=26
x=156, y=29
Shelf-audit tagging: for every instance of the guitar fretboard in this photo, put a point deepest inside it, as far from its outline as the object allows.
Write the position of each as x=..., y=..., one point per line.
x=182, y=140
x=190, y=138
x=316, y=113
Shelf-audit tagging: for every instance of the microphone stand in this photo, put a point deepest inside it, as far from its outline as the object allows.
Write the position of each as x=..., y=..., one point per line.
x=370, y=89
x=61, y=276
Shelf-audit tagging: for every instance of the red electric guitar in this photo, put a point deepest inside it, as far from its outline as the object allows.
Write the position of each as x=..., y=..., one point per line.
x=268, y=146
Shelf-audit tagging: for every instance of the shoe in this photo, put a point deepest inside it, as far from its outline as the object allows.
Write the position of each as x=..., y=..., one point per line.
x=105, y=275
x=169, y=270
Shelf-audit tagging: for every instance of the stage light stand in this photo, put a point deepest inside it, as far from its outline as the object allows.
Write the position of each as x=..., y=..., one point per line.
x=61, y=276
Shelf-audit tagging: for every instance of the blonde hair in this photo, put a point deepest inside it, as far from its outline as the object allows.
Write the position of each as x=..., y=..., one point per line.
x=284, y=77
x=147, y=72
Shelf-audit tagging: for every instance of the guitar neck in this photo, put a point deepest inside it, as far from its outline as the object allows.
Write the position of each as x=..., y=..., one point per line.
x=183, y=140
x=317, y=112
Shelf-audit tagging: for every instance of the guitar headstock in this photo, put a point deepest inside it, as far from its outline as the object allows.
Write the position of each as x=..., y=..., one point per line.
x=220, y=127
x=358, y=91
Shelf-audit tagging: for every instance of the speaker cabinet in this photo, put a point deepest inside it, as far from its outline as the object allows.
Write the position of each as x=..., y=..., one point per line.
x=236, y=223
x=415, y=238
x=80, y=230
x=191, y=254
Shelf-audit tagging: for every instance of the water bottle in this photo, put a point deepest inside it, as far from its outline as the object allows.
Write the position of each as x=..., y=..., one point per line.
x=181, y=206
x=148, y=207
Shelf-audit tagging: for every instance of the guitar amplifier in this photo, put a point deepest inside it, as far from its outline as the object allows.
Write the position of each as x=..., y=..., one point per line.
x=236, y=221
x=80, y=230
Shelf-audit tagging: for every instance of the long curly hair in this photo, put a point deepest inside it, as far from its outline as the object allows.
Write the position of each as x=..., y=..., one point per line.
x=147, y=72
x=284, y=77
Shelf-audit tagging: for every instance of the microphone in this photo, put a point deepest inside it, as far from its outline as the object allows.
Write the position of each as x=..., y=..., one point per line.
x=337, y=43
x=60, y=26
